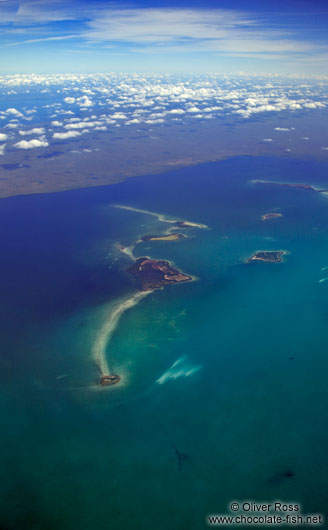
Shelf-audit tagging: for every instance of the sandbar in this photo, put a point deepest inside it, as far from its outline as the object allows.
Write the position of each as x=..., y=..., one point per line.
x=165, y=237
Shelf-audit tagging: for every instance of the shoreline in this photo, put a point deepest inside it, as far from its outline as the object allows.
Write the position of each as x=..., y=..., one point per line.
x=108, y=328
x=29, y=186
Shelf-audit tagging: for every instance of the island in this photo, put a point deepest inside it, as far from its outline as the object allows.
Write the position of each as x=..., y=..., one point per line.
x=189, y=224
x=154, y=274
x=108, y=380
x=271, y=215
x=296, y=185
x=307, y=187
x=165, y=237
x=270, y=256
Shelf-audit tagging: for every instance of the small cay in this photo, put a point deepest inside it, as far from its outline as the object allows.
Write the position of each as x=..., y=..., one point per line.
x=107, y=380
x=271, y=256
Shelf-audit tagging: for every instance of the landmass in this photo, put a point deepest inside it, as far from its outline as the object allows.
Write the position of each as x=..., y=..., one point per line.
x=154, y=274
x=165, y=237
x=271, y=256
x=270, y=215
x=189, y=224
x=108, y=380
x=307, y=187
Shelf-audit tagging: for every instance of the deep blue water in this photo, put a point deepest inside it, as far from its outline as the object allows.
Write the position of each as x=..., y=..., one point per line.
x=252, y=337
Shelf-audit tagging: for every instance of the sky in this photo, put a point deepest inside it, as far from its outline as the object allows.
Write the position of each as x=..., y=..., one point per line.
x=187, y=36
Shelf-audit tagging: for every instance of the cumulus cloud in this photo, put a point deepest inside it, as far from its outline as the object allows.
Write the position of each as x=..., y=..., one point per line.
x=193, y=109
x=314, y=105
x=76, y=125
x=119, y=116
x=13, y=112
x=3, y=137
x=83, y=124
x=65, y=135
x=2, y=149
x=31, y=144
x=36, y=130
x=127, y=99
x=134, y=120
x=176, y=111
x=12, y=125
x=84, y=101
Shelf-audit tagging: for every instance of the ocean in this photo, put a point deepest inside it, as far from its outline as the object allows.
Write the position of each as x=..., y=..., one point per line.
x=223, y=393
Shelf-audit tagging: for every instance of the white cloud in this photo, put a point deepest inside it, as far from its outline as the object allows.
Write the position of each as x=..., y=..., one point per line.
x=12, y=125
x=134, y=98
x=134, y=120
x=78, y=125
x=161, y=29
x=176, y=111
x=68, y=134
x=160, y=120
x=83, y=124
x=41, y=39
x=314, y=105
x=13, y=112
x=2, y=149
x=193, y=29
x=119, y=116
x=84, y=101
x=31, y=144
x=36, y=130
x=3, y=137
x=193, y=109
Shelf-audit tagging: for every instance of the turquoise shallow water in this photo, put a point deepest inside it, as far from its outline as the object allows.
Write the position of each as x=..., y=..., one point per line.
x=241, y=353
